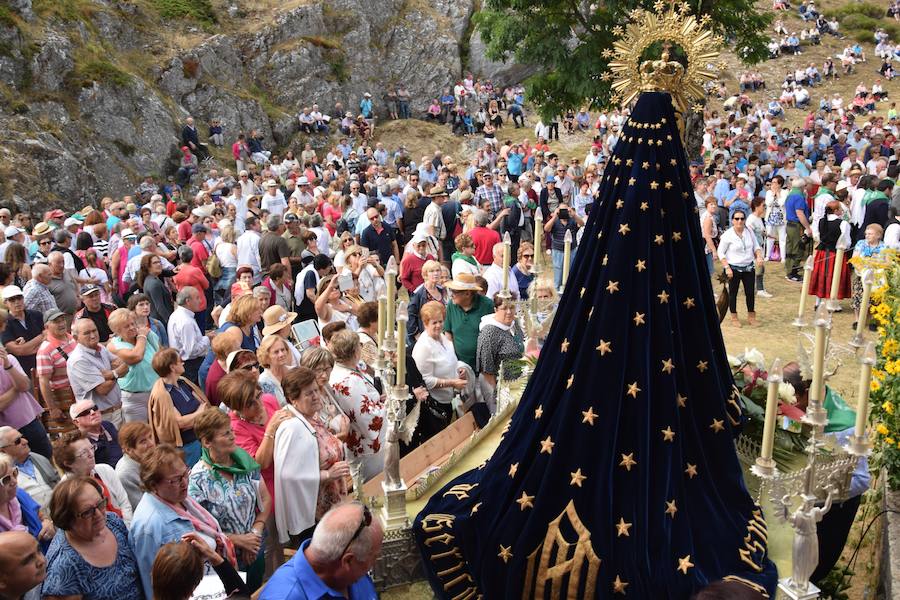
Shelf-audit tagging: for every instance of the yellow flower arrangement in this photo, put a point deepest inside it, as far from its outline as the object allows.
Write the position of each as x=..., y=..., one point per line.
x=888, y=407
x=889, y=348
x=881, y=429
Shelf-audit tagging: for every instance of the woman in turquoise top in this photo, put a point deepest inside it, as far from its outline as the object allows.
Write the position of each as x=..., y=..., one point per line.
x=135, y=345
x=870, y=247
x=226, y=482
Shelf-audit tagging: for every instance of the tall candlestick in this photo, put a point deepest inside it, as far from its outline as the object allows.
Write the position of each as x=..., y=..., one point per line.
x=567, y=256
x=768, y=439
x=867, y=361
x=804, y=292
x=402, y=318
x=815, y=413
x=390, y=279
x=833, y=303
x=507, y=248
x=382, y=317
x=538, y=239
x=868, y=279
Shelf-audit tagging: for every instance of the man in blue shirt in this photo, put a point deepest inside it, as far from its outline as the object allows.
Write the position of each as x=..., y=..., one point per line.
x=796, y=211
x=335, y=562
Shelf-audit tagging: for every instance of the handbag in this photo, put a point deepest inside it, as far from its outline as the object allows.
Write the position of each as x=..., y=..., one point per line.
x=775, y=255
x=213, y=266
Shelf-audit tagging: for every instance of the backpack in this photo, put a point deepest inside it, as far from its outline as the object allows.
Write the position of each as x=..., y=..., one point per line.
x=213, y=266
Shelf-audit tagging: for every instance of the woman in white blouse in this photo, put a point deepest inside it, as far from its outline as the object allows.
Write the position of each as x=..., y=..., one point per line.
x=775, y=217
x=226, y=252
x=436, y=359
x=740, y=254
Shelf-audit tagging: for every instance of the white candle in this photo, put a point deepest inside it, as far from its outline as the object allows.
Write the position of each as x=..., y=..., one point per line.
x=768, y=439
x=816, y=390
x=836, y=275
x=507, y=248
x=390, y=279
x=567, y=256
x=538, y=237
x=804, y=288
x=402, y=318
x=868, y=278
x=867, y=361
x=382, y=316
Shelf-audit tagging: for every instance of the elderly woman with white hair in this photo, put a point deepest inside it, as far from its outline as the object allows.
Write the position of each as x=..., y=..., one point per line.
x=135, y=345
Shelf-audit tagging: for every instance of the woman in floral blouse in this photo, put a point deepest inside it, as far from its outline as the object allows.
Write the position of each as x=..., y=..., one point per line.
x=226, y=482
x=361, y=401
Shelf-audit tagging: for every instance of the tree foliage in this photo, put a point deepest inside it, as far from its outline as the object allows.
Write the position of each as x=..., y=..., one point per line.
x=566, y=38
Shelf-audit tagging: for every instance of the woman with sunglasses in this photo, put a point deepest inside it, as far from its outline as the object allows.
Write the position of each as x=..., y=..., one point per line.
x=166, y=513
x=500, y=338
x=311, y=473
x=18, y=510
x=74, y=454
x=91, y=557
x=740, y=255
x=255, y=419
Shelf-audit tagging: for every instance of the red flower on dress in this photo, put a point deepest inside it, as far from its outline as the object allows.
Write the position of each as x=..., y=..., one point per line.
x=376, y=423
x=375, y=445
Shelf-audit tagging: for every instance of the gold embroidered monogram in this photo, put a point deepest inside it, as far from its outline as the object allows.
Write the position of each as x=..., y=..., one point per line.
x=460, y=490
x=574, y=561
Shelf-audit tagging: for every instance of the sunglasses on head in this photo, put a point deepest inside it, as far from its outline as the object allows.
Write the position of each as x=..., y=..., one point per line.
x=87, y=412
x=366, y=521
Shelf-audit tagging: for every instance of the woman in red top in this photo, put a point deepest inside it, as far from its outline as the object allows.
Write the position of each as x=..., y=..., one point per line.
x=255, y=418
x=189, y=275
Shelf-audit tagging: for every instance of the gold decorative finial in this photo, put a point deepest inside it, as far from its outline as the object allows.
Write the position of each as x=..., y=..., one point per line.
x=671, y=25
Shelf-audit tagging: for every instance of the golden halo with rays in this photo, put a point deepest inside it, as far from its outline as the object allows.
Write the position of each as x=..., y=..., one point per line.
x=667, y=23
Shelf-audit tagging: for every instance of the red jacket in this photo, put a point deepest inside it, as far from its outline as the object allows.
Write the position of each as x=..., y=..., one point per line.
x=484, y=239
x=411, y=270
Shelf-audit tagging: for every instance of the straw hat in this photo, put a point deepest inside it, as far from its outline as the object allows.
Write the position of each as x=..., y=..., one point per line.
x=277, y=318
x=465, y=282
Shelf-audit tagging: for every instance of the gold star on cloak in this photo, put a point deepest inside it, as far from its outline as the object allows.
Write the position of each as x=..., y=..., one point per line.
x=689, y=303
x=684, y=564
x=654, y=185
x=668, y=434
x=717, y=425
x=673, y=162
x=547, y=445
x=565, y=345
x=667, y=365
x=612, y=287
x=624, y=228
x=631, y=180
x=620, y=203
x=663, y=297
x=581, y=293
x=645, y=165
x=604, y=347
x=682, y=400
x=628, y=461
x=640, y=265
x=513, y=468
x=702, y=366
x=691, y=471
x=668, y=185
x=676, y=235
x=633, y=390
x=538, y=412
x=570, y=381
x=577, y=477
x=474, y=509
x=525, y=501
x=640, y=140
x=644, y=206
x=589, y=415
x=605, y=259
x=629, y=162
x=619, y=586
x=638, y=318
x=659, y=240
x=622, y=528
x=617, y=161
x=505, y=554
x=671, y=509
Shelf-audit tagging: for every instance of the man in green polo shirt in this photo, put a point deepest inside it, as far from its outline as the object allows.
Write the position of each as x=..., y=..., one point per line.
x=295, y=242
x=464, y=316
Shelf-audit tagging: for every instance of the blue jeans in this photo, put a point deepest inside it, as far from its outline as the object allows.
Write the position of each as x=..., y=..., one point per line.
x=37, y=438
x=222, y=289
x=191, y=452
x=709, y=263
x=557, y=257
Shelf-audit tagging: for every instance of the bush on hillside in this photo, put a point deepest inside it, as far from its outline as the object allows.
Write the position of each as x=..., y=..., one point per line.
x=861, y=26
x=873, y=11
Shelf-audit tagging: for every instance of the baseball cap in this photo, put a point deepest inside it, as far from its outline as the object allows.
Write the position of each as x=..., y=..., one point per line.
x=71, y=221
x=303, y=181
x=550, y=179
x=89, y=289
x=127, y=233
x=12, y=291
x=290, y=218
x=12, y=230
x=51, y=314
x=79, y=407
x=199, y=228
x=271, y=183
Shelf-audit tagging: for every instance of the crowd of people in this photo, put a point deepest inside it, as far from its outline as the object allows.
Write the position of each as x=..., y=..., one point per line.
x=159, y=410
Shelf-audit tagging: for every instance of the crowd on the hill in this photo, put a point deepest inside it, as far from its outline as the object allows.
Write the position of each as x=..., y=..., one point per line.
x=189, y=370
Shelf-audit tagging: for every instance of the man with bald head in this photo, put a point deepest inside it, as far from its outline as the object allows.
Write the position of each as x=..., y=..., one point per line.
x=37, y=295
x=22, y=565
x=335, y=562
x=93, y=372
x=62, y=285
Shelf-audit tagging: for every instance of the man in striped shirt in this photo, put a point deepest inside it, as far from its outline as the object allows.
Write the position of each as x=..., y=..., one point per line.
x=51, y=367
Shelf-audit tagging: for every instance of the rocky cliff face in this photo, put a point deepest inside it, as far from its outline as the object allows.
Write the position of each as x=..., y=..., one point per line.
x=94, y=91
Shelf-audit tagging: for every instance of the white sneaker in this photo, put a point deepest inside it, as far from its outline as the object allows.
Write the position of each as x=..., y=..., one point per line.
x=763, y=294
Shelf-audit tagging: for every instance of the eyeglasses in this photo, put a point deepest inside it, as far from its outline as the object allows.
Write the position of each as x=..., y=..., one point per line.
x=87, y=452
x=44, y=243
x=528, y=256
x=15, y=442
x=737, y=219
x=14, y=474
x=250, y=366
x=179, y=479
x=87, y=411
x=90, y=511
x=366, y=521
